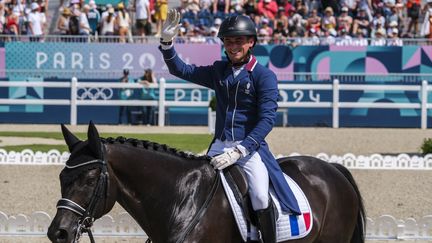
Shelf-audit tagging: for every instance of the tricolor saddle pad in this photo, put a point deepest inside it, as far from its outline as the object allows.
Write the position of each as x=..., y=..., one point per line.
x=288, y=226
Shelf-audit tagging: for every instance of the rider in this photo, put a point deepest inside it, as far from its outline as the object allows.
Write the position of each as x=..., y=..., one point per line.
x=246, y=94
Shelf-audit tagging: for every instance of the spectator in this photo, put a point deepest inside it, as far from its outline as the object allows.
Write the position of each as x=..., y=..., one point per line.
x=143, y=18
x=329, y=37
x=12, y=22
x=62, y=27
x=265, y=25
x=148, y=94
x=267, y=8
x=296, y=23
x=379, y=39
x=344, y=39
x=301, y=8
x=250, y=8
x=280, y=34
x=161, y=11
x=359, y=40
x=344, y=20
x=312, y=38
x=391, y=26
x=282, y=18
x=107, y=26
x=314, y=21
x=394, y=40
x=294, y=39
x=236, y=6
x=264, y=37
x=221, y=8
x=379, y=26
x=74, y=23
x=125, y=94
x=393, y=17
x=93, y=17
x=213, y=39
x=413, y=12
x=328, y=21
x=378, y=20
x=83, y=21
x=426, y=28
x=35, y=23
x=123, y=22
x=361, y=22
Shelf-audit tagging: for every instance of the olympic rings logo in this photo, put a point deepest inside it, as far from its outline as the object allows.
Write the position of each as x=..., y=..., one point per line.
x=95, y=93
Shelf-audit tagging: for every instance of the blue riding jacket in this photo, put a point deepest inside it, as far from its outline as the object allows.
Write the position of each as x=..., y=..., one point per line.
x=245, y=110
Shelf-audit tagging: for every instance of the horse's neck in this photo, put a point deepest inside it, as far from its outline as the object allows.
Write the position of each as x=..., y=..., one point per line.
x=162, y=192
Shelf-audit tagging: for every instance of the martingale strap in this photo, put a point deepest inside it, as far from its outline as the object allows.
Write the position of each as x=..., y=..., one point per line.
x=202, y=210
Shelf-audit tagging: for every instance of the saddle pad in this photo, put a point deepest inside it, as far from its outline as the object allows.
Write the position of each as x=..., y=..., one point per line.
x=288, y=226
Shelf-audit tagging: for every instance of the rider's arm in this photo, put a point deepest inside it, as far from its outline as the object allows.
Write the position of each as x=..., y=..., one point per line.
x=202, y=75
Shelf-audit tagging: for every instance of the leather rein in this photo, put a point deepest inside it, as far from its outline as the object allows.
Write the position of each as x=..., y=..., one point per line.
x=87, y=216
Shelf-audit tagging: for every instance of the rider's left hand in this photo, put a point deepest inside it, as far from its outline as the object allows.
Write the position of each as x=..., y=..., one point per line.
x=226, y=159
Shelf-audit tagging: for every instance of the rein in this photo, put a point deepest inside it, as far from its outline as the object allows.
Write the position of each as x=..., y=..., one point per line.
x=201, y=211
x=87, y=217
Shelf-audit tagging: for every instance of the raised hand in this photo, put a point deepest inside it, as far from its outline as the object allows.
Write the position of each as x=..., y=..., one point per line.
x=171, y=26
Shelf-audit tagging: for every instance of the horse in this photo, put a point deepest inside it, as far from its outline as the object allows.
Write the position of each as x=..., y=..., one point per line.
x=177, y=196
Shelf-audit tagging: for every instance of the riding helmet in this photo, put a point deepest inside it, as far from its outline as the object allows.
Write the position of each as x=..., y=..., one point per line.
x=237, y=25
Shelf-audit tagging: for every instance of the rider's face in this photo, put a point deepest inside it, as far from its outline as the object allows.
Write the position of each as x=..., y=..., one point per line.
x=237, y=47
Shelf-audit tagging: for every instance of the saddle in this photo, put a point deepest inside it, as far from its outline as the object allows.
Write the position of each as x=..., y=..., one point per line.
x=237, y=180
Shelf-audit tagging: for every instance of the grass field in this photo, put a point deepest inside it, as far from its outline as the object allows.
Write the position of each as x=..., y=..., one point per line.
x=188, y=142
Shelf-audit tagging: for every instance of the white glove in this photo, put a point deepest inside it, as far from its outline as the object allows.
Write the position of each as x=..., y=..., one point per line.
x=171, y=26
x=226, y=159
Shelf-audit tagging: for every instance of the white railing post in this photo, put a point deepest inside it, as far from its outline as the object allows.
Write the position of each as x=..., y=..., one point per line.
x=424, y=102
x=335, y=103
x=161, y=118
x=73, y=97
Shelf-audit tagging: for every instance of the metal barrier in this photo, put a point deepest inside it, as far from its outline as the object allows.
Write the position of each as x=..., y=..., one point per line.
x=162, y=103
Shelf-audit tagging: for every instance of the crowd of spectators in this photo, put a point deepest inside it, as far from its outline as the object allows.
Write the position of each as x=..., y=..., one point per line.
x=340, y=22
x=21, y=17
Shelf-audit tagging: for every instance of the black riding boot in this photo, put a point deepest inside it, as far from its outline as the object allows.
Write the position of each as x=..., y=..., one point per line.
x=267, y=224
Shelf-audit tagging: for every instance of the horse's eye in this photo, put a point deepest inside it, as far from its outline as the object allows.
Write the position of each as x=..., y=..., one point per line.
x=91, y=182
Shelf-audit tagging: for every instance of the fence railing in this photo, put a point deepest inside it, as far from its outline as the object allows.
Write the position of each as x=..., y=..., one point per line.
x=349, y=160
x=201, y=39
x=162, y=103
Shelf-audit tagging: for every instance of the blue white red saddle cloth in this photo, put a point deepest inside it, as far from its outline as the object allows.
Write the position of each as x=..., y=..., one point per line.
x=288, y=226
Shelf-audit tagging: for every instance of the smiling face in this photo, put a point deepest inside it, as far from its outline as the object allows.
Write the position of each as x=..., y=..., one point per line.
x=237, y=47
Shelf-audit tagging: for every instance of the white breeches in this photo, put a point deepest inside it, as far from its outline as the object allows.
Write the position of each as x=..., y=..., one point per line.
x=255, y=171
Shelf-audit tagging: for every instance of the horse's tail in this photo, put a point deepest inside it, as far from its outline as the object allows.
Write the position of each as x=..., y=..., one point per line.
x=359, y=231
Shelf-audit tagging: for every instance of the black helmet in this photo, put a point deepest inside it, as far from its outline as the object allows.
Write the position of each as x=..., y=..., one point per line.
x=237, y=25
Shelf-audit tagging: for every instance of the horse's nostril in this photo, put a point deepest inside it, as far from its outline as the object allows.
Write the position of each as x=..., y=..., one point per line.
x=61, y=235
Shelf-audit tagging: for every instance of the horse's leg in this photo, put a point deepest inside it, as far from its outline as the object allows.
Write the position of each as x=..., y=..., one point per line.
x=218, y=224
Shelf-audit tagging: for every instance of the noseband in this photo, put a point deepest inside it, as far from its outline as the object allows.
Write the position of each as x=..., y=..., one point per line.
x=87, y=216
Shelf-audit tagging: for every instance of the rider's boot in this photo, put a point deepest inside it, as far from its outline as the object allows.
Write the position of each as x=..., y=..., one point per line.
x=267, y=224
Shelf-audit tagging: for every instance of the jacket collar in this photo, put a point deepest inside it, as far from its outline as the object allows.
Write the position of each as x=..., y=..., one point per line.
x=251, y=64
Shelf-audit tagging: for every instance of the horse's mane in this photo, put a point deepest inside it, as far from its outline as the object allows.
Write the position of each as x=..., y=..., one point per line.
x=145, y=144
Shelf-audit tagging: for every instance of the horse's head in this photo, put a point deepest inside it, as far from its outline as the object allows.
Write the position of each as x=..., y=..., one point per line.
x=86, y=190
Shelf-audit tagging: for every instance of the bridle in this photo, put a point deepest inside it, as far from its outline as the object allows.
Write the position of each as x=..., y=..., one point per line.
x=87, y=216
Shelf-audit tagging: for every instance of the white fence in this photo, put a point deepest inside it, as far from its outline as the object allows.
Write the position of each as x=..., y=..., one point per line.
x=123, y=225
x=351, y=161
x=162, y=103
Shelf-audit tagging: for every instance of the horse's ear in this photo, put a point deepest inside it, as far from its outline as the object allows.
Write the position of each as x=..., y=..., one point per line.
x=94, y=141
x=70, y=139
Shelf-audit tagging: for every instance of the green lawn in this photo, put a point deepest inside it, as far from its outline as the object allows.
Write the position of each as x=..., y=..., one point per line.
x=188, y=142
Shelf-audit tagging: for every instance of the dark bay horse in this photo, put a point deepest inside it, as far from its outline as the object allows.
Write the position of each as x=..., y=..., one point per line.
x=177, y=197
